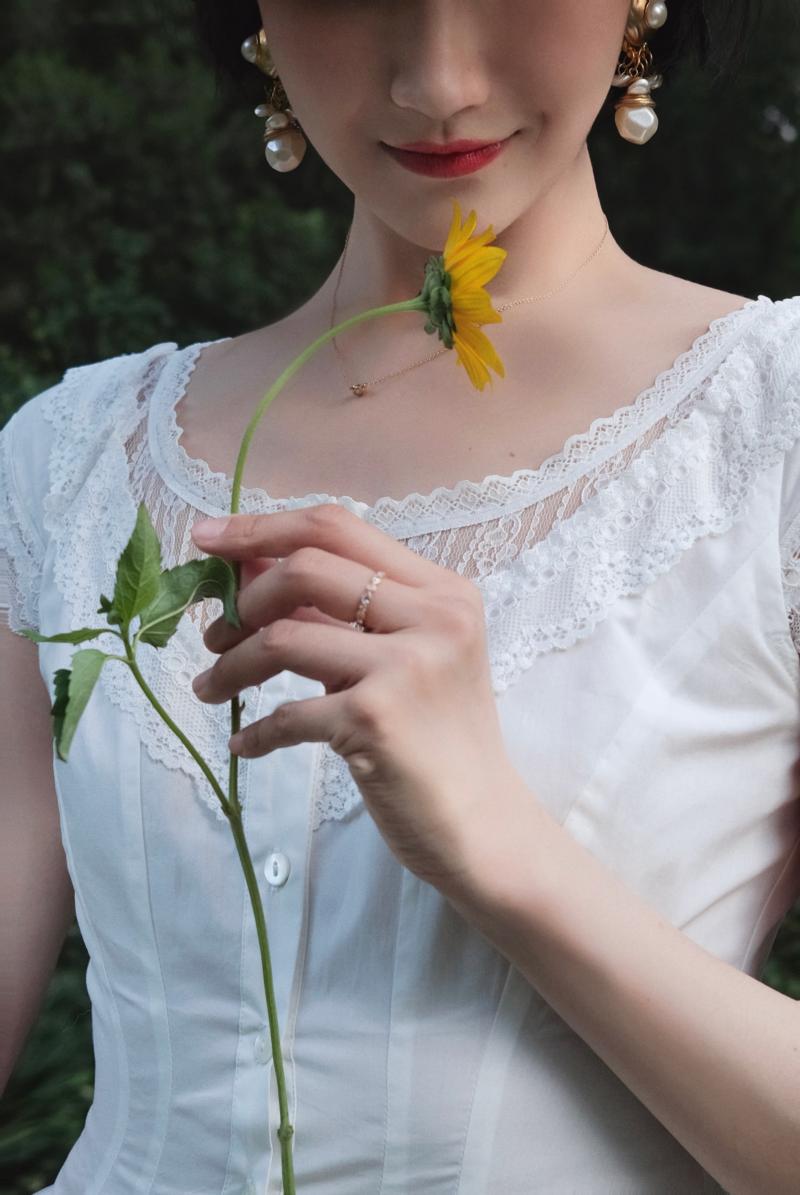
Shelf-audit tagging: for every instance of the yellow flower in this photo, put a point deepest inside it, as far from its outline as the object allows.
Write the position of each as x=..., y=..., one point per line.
x=456, y=301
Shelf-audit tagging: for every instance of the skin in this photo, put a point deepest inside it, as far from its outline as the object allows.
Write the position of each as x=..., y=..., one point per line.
x=442, y=70
x=449, y=69
x=446, y=70
x=438, y=70
x=409, y=707
x=710, y=1051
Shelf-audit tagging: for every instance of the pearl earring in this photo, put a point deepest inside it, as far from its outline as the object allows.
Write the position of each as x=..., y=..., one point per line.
x=284, y=142
x=634, y=113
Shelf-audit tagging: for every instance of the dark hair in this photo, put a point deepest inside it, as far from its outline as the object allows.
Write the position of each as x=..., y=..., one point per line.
x=712, y=33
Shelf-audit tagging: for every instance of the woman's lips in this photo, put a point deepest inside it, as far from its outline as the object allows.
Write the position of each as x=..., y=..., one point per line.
x=437, y=165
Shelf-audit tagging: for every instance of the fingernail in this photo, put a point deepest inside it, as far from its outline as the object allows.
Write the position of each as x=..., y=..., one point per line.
x=209, y=528
x=200, y=680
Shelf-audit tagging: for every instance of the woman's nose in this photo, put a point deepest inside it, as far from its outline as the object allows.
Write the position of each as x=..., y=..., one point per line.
x=439, y=64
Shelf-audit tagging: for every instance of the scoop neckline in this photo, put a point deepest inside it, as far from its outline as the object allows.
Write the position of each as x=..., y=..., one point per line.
x=209, y=491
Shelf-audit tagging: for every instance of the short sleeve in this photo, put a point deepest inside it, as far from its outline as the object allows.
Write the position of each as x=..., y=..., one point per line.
x=24, y=448
x=786, y=375
x=47, y=450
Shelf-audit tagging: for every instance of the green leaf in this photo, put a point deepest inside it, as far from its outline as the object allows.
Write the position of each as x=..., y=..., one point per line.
x=138, y=571
x=179, y=587
x=106, y=607
x=59, y=706
x=73, y=690
x=67, y=636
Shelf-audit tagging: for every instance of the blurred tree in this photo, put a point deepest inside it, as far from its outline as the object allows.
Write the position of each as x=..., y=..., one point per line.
x=715, y=196
x=136, y=208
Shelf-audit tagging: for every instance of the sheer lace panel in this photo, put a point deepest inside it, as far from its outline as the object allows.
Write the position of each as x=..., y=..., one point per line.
x=193, y=478
x=171, y=517
x=550, y=549
x=482, y=550
x=474, y=550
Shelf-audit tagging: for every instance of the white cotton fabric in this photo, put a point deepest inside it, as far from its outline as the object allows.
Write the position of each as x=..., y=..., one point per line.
x=642, y=596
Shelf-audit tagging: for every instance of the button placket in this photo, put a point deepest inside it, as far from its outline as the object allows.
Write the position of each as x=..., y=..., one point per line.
x=279, y=791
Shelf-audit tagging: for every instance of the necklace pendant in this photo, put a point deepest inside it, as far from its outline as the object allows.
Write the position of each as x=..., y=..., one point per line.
x=359, y=389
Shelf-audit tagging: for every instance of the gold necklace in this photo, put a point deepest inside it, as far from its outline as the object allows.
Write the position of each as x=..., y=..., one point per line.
x=360, y=388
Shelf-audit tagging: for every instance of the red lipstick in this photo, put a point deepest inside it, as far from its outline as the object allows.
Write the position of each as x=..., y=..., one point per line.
x=448, y=160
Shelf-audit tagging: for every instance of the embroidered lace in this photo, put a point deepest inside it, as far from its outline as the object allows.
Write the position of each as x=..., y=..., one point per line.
x=551, y=549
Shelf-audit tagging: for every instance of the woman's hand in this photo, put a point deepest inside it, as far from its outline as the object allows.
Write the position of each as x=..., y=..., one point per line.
x=410, y=708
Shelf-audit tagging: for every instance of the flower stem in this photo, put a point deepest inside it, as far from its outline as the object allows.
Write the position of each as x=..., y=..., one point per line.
x=233, y=812
x=417, y=304
x=285, y=1129
x=190, y=747
x=233, y=806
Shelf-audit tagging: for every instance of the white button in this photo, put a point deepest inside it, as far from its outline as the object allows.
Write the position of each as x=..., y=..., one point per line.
x=262, y=1048
x=277, y=869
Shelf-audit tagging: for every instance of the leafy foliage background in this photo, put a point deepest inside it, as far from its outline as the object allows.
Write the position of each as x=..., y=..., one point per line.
x=136, y=208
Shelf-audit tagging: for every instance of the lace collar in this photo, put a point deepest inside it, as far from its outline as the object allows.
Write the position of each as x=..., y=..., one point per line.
x=192, y=479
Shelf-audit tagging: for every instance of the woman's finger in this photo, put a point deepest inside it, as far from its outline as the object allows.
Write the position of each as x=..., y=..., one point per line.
x=252, y=568
x=261, y=564
x=331, y=584
x=308, y=721
x=324, y=653
x=328, y=526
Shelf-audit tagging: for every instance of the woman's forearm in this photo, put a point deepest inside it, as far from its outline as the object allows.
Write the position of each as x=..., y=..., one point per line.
x=713, y=1053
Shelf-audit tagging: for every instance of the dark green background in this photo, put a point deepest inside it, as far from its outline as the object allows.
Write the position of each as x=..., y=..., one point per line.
x=136, y=208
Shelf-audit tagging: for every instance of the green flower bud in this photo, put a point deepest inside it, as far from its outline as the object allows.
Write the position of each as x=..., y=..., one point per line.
x=438, y=300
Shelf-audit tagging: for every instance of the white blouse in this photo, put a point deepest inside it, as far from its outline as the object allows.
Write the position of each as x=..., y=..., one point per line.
x=642, y=596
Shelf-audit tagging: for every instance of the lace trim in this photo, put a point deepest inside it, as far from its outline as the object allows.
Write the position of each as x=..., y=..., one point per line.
x=790, y=539
x=83, y=410
x=695, y=479
x=337, y=793
x=416, y=513
x=21, y=554
x=94, y=414
x=791, y=579
x=620, y=537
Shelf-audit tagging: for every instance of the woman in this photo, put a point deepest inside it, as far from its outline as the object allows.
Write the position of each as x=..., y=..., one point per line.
x=523, y=852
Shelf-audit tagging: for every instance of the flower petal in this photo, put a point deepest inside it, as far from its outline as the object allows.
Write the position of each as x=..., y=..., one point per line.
x=468, y=227
x=462, y=252
x=476, y=306
x=476, y=274
x=455, y=300
x=480, y=344
x=477, y=371
x=454, y=235
x=459, y=234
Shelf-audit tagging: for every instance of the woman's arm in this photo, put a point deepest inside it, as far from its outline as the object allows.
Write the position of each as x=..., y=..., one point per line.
x=713, y=1053
x=36, y=896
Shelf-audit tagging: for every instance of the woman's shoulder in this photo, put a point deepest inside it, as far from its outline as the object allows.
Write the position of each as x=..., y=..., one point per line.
x=767, y=331
x=706, y=304
x=51, y=440
x=86, y=390
x=81, y=407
